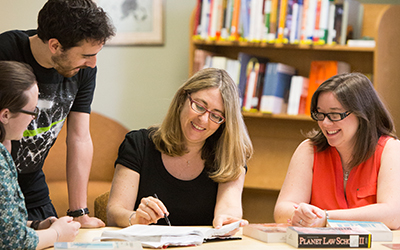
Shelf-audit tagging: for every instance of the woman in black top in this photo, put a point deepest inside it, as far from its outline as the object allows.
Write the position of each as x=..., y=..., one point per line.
x=194, y=161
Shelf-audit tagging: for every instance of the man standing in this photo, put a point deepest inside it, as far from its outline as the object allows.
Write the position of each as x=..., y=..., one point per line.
x=62, y=52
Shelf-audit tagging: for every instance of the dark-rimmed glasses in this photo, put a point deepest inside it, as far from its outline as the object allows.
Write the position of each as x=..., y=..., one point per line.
x=199, y=108
x=334, y=117
x=34, y=113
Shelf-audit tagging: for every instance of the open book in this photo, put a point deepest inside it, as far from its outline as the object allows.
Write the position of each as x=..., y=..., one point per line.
x=162, y=236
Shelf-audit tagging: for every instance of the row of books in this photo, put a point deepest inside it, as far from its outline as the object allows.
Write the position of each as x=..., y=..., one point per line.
x=338, y=234
x=278, y=21
x=271, y=87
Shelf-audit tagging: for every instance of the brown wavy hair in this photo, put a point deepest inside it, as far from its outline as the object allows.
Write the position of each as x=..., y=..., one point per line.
x=356, y=93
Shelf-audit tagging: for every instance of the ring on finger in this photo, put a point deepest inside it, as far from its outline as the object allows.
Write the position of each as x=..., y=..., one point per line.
x=300, y=221
x=147, y=203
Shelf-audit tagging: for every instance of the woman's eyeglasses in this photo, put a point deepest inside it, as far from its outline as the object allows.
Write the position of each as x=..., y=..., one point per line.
x=199, y=108
x=334, y=117
x=35, y=112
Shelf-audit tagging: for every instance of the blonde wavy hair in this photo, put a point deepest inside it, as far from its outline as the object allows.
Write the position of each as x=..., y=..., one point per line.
x=227, y=150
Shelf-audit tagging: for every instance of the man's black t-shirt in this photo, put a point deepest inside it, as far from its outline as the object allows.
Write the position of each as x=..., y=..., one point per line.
x=188, y=202
x=58, y=96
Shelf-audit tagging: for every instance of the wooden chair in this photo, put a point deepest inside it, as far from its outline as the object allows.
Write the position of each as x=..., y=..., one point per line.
x=107, y=136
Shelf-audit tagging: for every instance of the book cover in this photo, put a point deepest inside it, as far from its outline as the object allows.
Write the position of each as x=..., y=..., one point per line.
x=234, y=35
x=282, y=20
x=345, y=20
x=379, y=231
x=267, y=232
x=255, y=73
x=273, y=19
x=253, y=68
x=205, y=19
x=276, y=88
x=244, y=59
x=328, y=237
x=233, y=69
x=121, y=245
x=321, y=71
x=199, y=59
x=298, y=88
x=219, y=62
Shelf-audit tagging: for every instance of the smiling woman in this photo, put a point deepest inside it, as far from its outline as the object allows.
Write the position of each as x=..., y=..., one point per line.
x=347, y=169
x=19, y=94
x=187, y=160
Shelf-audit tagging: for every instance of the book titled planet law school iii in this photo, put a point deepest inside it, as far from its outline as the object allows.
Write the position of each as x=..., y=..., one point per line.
x=328, y=237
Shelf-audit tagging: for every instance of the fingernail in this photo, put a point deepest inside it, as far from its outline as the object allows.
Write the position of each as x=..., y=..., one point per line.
x=295, y=206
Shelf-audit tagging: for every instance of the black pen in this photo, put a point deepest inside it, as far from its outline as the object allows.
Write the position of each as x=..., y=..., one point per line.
x=165, y=215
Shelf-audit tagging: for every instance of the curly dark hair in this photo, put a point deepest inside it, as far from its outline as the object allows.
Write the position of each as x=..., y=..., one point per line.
x=72, y=21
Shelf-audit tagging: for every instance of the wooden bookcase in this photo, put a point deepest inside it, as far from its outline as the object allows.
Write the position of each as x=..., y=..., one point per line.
x=275, y=137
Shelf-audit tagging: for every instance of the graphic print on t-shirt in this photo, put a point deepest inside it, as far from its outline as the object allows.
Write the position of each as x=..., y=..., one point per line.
x=55, y=102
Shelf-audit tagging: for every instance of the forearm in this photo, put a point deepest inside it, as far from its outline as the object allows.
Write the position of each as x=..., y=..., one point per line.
x=283, y=211
x=119, y=216
x=47, y=238
x=79, y=161
x=381, y=212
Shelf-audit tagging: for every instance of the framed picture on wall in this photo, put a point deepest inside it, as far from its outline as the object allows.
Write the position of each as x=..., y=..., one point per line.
x=137, y=22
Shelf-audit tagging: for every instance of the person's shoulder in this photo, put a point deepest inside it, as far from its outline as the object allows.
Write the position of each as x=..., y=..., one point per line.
x=392, y=143
x=17, y=34
x=138, y=135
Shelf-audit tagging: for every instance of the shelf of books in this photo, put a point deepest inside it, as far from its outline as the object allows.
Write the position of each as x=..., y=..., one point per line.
x=277, y=74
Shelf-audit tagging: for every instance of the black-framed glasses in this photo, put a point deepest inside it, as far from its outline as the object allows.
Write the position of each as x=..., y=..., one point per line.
x=334, y=117
x=199, y=108
x=34, y=113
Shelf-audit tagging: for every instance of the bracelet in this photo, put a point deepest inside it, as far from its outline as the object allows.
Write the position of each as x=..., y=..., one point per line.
x=35, y=224
x=326, y=216
x=130, y=217
x=58, y=234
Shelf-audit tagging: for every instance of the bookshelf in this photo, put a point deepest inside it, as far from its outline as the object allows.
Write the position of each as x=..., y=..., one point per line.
x=275, y=137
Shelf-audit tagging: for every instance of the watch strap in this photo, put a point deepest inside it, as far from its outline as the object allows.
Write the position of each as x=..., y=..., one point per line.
x=78, y=212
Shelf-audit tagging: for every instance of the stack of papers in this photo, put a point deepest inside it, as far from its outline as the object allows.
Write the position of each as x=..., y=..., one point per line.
x=162, y=236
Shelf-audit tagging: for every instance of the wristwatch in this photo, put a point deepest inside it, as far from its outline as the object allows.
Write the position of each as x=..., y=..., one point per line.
x=78, y=213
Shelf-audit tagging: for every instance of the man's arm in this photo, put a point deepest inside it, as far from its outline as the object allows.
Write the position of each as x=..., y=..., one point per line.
x=79, y=162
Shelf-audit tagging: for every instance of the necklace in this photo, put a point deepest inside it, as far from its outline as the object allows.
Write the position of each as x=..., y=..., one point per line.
x=346, y=175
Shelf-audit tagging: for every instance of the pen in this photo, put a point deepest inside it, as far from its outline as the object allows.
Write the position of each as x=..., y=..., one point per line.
x=165, y=215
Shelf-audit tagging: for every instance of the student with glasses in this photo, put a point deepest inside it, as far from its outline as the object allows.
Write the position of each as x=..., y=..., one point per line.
x=349, y=168
x=194, y=162
x=18, y=99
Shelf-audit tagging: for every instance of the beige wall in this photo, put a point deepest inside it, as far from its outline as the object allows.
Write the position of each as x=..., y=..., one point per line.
x=134, y=83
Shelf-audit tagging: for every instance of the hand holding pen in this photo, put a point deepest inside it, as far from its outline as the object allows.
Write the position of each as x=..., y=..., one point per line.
x=150, y=210
x=165, y=215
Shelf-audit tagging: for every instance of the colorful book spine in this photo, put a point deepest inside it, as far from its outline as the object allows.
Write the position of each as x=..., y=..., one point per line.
x=235, y=21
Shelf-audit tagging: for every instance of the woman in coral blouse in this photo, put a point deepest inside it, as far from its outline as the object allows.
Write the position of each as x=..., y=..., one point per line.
x=349, y=169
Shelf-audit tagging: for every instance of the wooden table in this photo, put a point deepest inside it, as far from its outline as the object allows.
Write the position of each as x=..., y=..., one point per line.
x=87, y=235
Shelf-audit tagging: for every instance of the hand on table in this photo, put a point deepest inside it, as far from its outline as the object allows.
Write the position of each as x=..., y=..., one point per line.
x=89, y=222
x=66, y=228
x=306, y=215
x=224, y=219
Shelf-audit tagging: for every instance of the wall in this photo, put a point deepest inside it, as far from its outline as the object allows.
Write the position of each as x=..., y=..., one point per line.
x=134, y=83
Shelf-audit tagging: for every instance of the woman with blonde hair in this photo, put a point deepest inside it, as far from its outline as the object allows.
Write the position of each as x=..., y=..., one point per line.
x=194, y=162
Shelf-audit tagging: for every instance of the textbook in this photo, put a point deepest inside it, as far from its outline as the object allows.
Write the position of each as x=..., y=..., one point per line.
x=267, y=232
x=121, y=245
x=379, y=231
x=328, y=237
x=156, y=236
